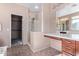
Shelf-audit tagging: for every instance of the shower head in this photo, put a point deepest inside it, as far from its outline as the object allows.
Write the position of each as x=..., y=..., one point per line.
x=33, y=18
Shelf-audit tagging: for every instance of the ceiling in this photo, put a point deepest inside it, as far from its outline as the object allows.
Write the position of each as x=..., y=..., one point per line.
x=32, y=6
x=37, y=6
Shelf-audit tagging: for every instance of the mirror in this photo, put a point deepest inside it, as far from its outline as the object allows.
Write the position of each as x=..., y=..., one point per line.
x=68, y=23
x=63, y=24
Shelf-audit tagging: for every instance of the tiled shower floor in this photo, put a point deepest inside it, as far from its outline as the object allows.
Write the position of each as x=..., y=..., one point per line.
x=26, y=51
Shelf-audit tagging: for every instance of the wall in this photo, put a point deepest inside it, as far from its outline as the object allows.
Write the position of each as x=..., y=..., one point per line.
x=37, y=24
x=49, y=25
x=36, y=27
x=49, y=19
x=56, y=44
x=5, y=19
x=46, y=12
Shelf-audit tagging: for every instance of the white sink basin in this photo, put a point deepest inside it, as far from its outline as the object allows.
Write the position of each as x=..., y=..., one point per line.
x=3, y=51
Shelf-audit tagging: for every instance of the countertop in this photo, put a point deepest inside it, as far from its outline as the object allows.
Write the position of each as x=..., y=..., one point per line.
x=65, y=36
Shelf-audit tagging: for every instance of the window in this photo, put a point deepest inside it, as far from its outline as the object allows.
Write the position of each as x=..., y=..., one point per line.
x=75, y=23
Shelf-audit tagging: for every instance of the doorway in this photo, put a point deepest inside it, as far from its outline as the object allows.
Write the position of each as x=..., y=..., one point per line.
x=16, y=30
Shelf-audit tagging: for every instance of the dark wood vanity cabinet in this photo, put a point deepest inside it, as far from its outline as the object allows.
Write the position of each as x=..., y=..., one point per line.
x=68, y=47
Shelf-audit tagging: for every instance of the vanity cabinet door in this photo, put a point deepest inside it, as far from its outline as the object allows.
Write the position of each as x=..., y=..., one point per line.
x=69, y=50
x=77, y=48
x=68, y=46
x=68, y=43
x=66, y=54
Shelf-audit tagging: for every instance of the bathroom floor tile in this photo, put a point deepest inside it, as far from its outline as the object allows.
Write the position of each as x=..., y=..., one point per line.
x=26, y=51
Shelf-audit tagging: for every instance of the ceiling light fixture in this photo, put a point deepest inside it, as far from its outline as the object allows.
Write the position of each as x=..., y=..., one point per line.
x=36, y=7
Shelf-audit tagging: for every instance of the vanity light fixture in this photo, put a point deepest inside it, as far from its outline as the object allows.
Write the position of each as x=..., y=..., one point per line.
x=64, y=19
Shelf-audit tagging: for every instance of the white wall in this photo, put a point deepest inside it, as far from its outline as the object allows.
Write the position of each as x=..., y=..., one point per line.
x=49, y=25
x=5, y=19
x=56, y=44
x=49, y=19
x=46, y=14
x=37, y=22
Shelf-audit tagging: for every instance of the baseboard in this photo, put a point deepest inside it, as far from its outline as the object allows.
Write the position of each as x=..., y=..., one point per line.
x=30, y=47
x=28, y=44
x=36, y=50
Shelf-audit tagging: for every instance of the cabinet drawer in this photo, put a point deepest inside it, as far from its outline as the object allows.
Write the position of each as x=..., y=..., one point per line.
x=69, y=50
x=77, y=47
x=68, y=43
x=66, y=54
